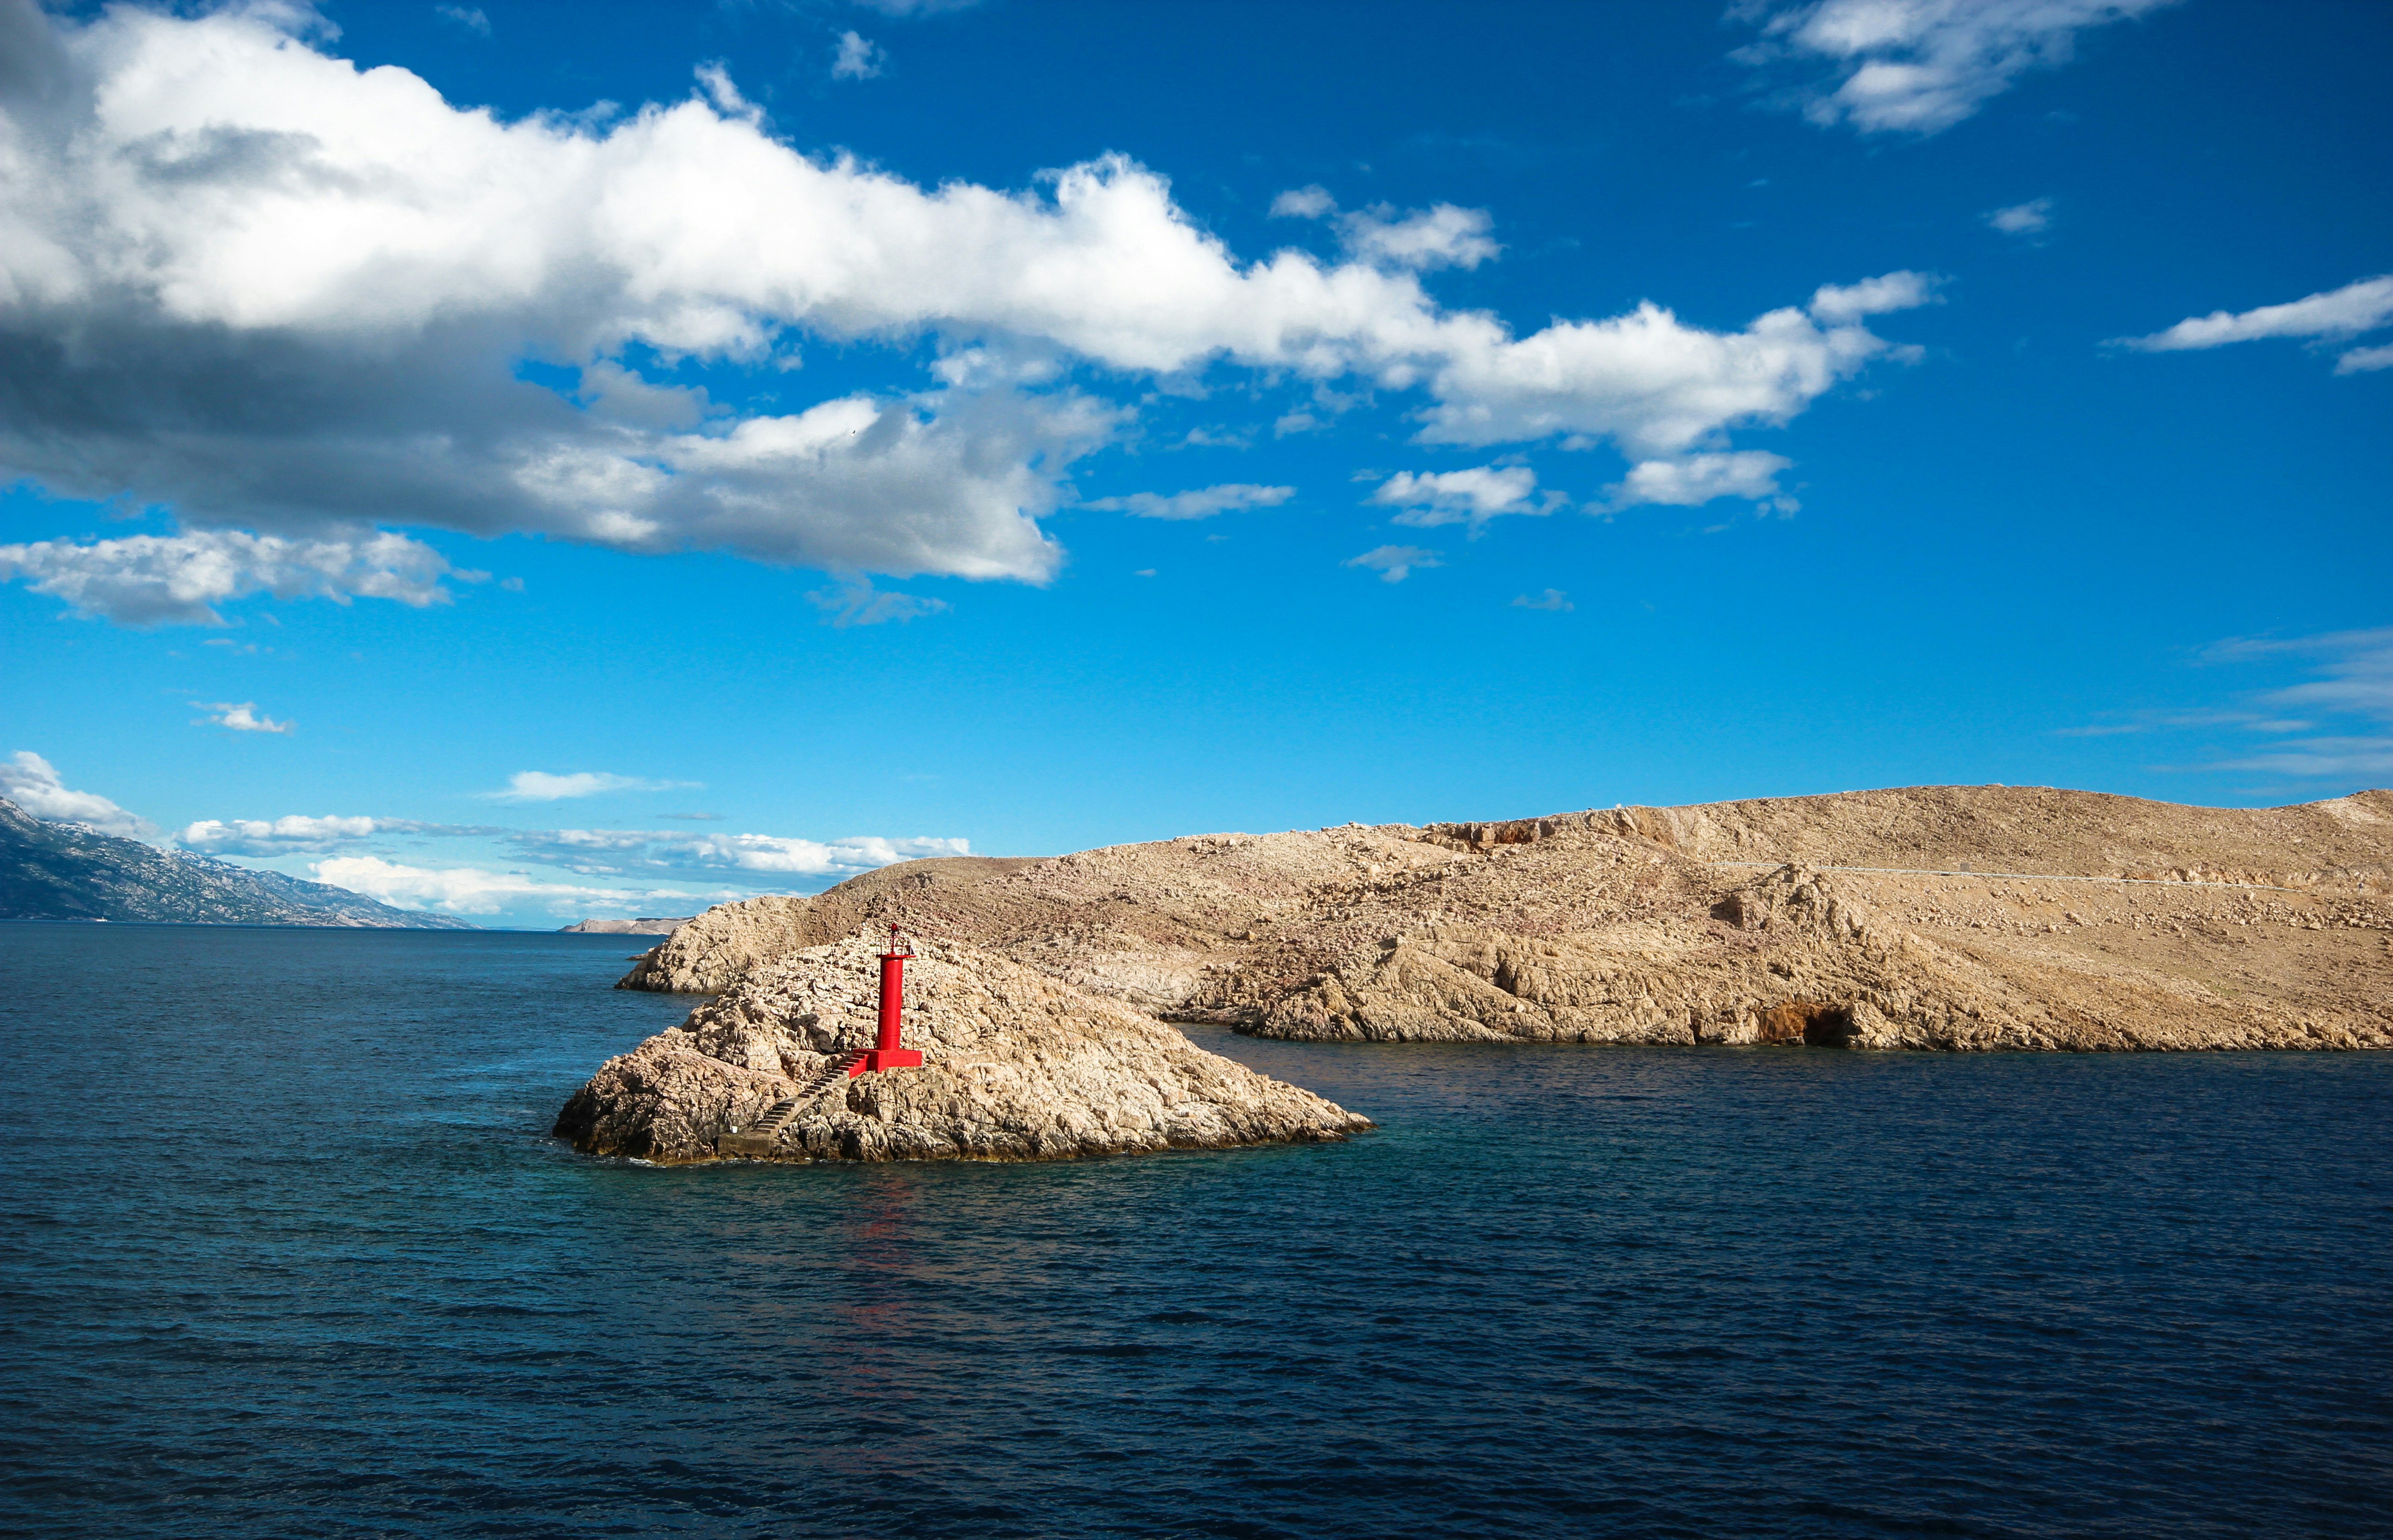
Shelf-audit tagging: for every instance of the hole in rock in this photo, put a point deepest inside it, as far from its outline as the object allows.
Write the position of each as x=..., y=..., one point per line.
x=1809, y=1022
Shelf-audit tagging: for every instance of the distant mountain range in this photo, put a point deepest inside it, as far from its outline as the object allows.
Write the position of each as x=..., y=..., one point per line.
x=71, y=872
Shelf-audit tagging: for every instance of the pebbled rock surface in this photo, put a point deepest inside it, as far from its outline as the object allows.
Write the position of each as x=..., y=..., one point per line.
x=1016, y=1066
x=1724, y=923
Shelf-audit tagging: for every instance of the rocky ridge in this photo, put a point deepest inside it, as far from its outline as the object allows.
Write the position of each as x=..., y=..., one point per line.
x=1016, y=1066
x=1990, y=916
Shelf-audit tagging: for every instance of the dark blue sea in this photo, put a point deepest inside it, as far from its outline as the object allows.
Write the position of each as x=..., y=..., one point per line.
x=285, y=1250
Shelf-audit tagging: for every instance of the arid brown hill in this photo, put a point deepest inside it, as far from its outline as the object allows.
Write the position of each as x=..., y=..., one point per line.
x=2000, y=916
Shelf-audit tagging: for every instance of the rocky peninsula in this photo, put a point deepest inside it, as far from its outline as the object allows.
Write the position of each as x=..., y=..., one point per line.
x=666, y=926
x=1017, y=1065
x=1947, y=918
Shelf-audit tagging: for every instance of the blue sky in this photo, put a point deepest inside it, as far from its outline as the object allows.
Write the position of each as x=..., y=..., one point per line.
x=542, y=460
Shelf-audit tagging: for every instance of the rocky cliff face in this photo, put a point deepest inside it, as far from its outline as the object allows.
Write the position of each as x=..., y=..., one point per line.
x=2009, y=926
x=1016, y=1066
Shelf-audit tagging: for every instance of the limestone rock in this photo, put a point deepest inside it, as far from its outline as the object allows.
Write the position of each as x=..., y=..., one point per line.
x=1016, y=1066
x=1789, y=959
x=715, y=950
x=1925, y=917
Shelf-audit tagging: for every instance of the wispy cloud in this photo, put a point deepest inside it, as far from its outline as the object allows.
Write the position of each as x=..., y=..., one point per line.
x=2330, y=315
x=240, y=717
x=468, y=16
x=2338, y=723
x=2355, y=667
x=1440, y=236
x=856, y=602
x=476, y=890
x=1202, y=502
x=1394, y=563
x=860, y=59
x=2133, y=724
x=30, y=781
x=539, y=786
x=2031, y=218
x=1552, y=598
x=301, y=834
x=1303, y=203
x=1917, y=66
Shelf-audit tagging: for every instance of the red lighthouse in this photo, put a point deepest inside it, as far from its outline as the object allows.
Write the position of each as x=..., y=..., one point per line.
x=886, y=1053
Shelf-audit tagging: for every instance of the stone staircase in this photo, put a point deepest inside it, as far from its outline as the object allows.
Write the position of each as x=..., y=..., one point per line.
x=759, y=1138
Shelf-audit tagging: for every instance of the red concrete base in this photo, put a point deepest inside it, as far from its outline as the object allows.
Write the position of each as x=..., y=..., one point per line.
x=887, y=1058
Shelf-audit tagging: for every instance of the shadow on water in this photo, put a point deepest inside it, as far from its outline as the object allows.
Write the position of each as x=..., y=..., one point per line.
x=291, y=1253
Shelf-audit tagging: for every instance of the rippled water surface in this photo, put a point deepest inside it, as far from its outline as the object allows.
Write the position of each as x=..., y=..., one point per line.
x=287, y=1252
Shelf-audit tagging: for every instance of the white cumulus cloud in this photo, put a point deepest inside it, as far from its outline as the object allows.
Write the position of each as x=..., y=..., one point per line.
x=616, y=852
x=1920, y=66
x=240, y=717
x=2332, y=314
x=473, y=890
x=158, y=579
x=245, y=278
x=1441, y=236
x=298, y=833
x=1201, y=503
x=1647, y=381
x=1471, y=496
x=30, y=781
x=1694, y=479
x=539, y=786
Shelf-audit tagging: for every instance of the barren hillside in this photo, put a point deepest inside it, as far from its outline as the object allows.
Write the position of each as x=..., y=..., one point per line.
x=2018, y=916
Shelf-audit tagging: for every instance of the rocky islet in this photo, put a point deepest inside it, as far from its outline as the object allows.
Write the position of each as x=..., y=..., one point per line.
x=1016, y=1066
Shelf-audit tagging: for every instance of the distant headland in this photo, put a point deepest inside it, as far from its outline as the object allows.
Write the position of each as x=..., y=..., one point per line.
x=626, y=927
